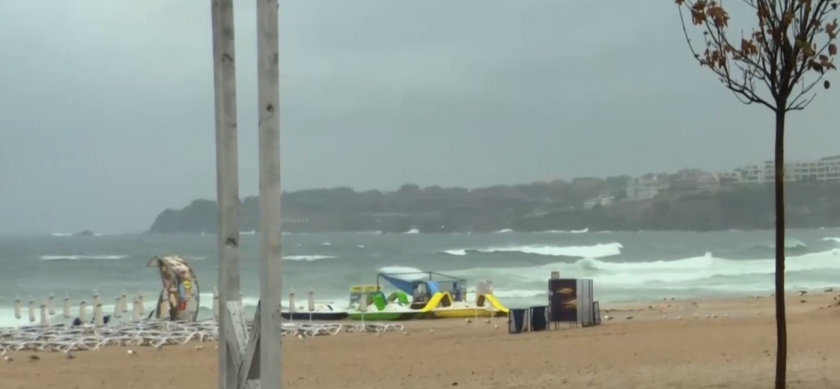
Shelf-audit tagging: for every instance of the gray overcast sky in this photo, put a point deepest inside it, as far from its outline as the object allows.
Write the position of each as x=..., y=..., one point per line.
x=106, y=107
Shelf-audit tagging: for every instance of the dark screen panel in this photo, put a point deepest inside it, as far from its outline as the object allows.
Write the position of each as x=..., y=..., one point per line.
x=563, y=299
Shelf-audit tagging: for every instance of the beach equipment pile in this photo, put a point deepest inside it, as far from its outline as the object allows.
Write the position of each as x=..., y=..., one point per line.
x=153, y=333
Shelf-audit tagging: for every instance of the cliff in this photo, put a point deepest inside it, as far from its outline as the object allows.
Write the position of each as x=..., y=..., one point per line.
x=541, y=206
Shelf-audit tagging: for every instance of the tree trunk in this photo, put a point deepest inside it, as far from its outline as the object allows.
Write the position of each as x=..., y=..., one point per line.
x=781, y=324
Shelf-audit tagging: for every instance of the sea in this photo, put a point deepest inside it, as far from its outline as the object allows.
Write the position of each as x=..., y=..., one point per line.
x=625, y=266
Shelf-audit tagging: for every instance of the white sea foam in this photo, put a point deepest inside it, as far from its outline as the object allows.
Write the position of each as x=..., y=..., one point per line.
x=81, y=257
x=504, y=231
x=404, y=272
x=308, y=257
x=459, y=252
x=676, y=273
x=412, y=231
x=583, y=231
x=835, y=240
x=594, y=251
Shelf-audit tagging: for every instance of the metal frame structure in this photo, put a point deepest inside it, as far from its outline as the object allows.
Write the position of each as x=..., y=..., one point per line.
x=241, y=354
x=427, y=276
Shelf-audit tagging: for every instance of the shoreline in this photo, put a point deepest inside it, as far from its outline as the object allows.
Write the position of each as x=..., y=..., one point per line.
x=583, y=230
x=635, y=305
x=646, y=352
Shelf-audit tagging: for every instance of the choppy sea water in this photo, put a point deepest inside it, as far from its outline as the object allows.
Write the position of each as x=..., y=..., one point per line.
x=626, y=266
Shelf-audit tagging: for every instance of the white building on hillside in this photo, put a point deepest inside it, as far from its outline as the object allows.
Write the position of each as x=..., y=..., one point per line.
x=644, y=187
x=825, y=169
x=602, y=200
x=696, y=181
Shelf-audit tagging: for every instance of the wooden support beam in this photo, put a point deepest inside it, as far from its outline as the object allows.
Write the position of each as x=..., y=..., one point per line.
x=268, y=76
x=249, y=372
x=227, y=179
x=242, y=346
x=241, y=356
x=236, y=334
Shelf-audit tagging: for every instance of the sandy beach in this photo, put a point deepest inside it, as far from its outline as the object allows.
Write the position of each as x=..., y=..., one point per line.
x=733, y=348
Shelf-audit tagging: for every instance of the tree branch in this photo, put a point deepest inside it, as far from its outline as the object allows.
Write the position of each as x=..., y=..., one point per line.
x=780, y=51
x=743, y=90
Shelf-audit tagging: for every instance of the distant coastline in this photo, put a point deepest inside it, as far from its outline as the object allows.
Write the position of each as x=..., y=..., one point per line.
x=685, y=201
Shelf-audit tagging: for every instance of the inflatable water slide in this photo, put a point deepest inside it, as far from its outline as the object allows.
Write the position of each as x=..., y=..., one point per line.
x=444, y=297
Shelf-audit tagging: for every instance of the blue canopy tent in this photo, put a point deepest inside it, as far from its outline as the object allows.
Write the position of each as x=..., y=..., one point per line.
x=406, y=286
x=434, y=282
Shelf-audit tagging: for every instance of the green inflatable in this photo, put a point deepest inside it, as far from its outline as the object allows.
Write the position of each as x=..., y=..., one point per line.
x=380, y=302
x=400, y=296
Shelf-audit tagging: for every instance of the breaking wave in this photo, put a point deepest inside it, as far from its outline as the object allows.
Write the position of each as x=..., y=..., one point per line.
x=81, y=257
x=307, y=258
x=594, y=251
x=583, y=231
x=792, y=247
x=677, y=272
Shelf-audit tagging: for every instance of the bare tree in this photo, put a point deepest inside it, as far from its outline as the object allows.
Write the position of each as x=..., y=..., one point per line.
x=787, y=55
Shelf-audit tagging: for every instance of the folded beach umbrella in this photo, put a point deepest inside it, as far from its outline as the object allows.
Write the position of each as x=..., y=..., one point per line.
x=117, y=308
x=83, y=318
x=96, y=300
x=17, y=308
x=66, y=307
x=31, y=310
x=140, y=303
x=51, y=304
x=135, y=311
x=44, y=321
x=363, y=307
x=311, y=302
x=98, y=320
x=216, y=304
x=292, y=308
x=123, y=302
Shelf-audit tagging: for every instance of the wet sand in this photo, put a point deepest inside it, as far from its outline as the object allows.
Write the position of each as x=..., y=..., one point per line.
x=734, y=349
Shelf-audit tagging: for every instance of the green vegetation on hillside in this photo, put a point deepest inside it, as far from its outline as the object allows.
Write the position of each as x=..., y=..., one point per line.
x=540, y=206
